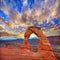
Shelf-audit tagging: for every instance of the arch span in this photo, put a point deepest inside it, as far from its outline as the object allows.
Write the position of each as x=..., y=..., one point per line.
x=43, y=41
x=44, y=49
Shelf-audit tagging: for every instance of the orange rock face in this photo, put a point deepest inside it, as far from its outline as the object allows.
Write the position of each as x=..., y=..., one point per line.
x=44, y=49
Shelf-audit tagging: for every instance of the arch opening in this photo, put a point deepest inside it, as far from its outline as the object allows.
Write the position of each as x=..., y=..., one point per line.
x=33, y=41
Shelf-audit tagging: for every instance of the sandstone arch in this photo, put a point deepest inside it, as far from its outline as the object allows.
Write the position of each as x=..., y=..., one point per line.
x=43, y=41
x=44, y=48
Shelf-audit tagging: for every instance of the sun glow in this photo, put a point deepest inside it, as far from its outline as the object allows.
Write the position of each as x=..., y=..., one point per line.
x=33, y=35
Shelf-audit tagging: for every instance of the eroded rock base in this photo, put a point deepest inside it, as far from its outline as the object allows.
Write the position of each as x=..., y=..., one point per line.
x=25, y=54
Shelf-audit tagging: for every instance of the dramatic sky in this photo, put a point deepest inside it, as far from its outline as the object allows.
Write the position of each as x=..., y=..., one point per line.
x=17, y=15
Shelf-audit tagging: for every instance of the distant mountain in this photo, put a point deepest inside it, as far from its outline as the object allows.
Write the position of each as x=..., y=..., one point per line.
x=54, y=40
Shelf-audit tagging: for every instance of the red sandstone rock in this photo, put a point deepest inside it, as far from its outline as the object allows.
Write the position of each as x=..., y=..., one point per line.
x=43, y=45
x=44, y=48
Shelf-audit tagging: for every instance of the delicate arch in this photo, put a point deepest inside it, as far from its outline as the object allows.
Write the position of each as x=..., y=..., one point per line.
x=43, y=41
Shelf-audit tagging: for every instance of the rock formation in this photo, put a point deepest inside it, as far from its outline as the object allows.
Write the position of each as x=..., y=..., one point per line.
x=44, y=47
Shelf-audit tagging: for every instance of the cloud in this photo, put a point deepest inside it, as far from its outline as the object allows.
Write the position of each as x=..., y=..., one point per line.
x=24, y=13
x=53, y=33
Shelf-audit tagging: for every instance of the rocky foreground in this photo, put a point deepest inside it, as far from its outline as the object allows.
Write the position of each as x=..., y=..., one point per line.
x=25, y=54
